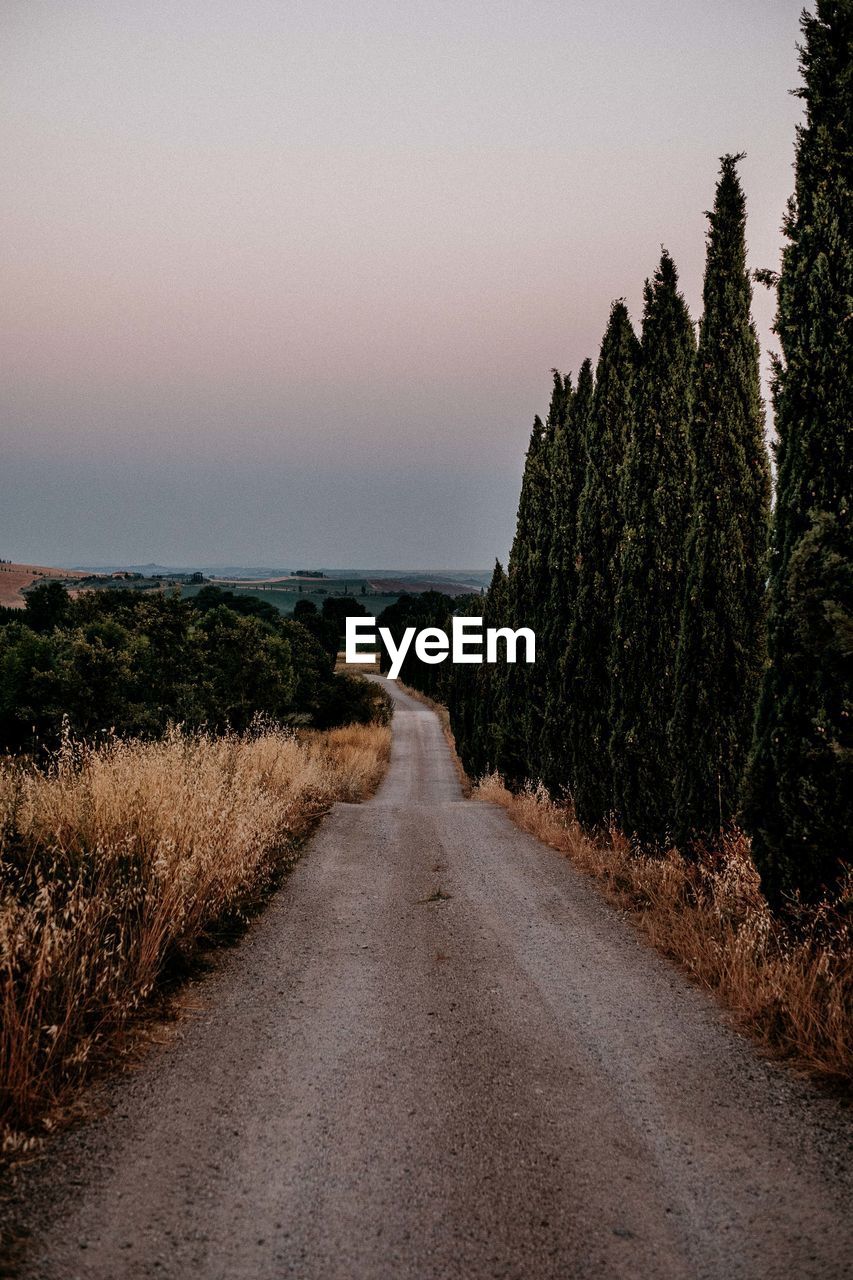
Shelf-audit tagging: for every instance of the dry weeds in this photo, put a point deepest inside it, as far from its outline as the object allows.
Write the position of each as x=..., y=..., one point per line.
x=788, y=982
x=115, y=861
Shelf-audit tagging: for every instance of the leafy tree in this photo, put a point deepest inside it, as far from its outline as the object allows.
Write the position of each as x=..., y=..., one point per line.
x=247, y=668
x=587, y=674
x=132, y=661
x=32, y=694
x=424, y=609
x=46, y=606
x=337, y=609
x=722, y=644
x=323, y=629
x=656, y=498
x=799, y=794
x=313, y=690
x=248, y=606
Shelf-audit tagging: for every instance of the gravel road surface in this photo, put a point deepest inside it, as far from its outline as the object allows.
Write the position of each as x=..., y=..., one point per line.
x=440, y=1054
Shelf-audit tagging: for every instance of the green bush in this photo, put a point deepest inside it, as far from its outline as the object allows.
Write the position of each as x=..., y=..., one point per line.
x=132, y=663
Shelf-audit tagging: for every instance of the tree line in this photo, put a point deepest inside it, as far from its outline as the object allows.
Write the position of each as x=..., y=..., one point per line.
x=134, y=662
x=693, y=650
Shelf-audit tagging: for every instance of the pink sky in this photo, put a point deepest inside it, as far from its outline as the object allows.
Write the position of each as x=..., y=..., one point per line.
x=284, y=281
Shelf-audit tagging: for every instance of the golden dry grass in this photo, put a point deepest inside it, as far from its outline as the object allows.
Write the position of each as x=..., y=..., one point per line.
x=789, y=983
x=114, y=861
x=15, y=577
x=354, y=668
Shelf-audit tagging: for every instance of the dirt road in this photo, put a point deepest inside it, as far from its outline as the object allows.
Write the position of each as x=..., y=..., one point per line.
x=440, y=1054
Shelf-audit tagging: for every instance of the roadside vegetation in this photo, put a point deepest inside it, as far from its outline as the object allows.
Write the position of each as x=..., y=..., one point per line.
x=164, y=758
x=693, y=659
x=116, y=863
x=130, y=663
x=788, y=980
x=685, y=732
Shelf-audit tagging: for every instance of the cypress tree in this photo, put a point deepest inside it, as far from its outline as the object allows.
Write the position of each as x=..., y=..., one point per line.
x=487, y=683
x=609, y=428
x=799, y=795
x=656, y=496
x=457, y=690
x=539, y=588
x=722, y=643
x=567, y=477
x=524, y=577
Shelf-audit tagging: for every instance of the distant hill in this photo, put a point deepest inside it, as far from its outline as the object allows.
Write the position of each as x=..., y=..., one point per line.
x=15, y=578
x=450, y=581
x=152, y=570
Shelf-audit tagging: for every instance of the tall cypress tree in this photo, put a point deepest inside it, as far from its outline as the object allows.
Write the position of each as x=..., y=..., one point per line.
x=456, y=688
x=568, y=466
x=536, y=612
x=488, y=680
x=608, y=430
x=799, y=796
x=523, y=574
x=656, y=498
x=722, y=644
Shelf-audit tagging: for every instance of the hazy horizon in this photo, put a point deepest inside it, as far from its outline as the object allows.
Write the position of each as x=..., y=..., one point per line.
x=335, y=572
x=284, y=284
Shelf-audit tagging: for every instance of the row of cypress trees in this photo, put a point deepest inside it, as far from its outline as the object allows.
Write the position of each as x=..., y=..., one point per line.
x=641, y=549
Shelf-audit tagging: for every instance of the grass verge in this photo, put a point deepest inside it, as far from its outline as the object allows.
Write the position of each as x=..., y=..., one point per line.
x=116, y=861
x=789, y=982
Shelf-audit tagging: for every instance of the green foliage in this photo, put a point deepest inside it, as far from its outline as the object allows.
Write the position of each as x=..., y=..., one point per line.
x=46, y=607
x=211, y=597
x=336, y=610
x=462, y=688
x=132, y=662
x=246, y=669
x=799, y=794
x=424, y=609
x=722, y=644
x=323, y=629
x=587, y=686
x=491, y=679
x=520, y=709
x=656, y=496
x=535, y=585
x=556, y=768
x=640, y=555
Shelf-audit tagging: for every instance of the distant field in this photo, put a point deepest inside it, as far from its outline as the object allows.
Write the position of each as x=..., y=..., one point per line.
x=15, y=577
x=375, y=593
x=285, y=599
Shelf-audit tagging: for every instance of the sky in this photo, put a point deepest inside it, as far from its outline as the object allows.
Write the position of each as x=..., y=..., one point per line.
x=282, y=281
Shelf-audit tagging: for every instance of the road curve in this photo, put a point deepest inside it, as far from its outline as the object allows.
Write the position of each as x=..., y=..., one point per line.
x=440, y=1054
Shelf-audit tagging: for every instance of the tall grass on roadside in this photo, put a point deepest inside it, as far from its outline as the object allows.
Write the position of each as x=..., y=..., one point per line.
x=789, y=982
x=115, y=860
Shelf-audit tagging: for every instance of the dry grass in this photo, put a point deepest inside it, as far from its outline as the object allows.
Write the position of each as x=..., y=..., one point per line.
x=15, y=577
x=789, y=983
x=354, y=668
x=116, y=861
